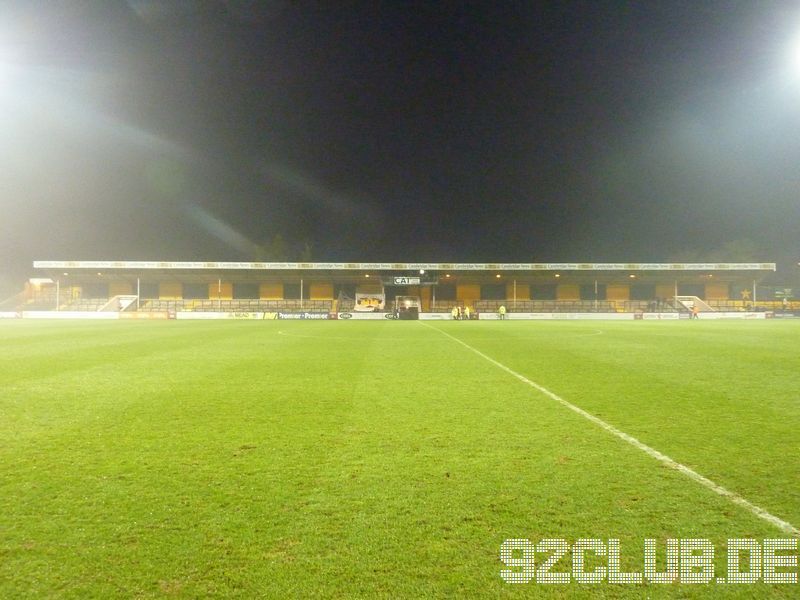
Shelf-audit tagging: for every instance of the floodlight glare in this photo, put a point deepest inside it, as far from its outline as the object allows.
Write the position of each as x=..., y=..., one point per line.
x=9, y=65
x=794, y=57
x=6, y=71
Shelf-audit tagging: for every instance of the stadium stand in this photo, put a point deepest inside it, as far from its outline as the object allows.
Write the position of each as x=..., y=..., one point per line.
x=237, y=305
x=13, y=303
x=345, y=305
x=166, y=287
x=86, y=304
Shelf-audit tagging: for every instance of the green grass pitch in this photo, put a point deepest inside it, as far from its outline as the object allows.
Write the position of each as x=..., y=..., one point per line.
x=381, y=459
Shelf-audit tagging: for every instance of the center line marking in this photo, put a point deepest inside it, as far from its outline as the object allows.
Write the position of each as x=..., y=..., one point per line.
x=690, y=473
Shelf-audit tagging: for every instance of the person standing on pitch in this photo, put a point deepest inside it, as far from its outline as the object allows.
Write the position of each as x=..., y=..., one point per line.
x=502, y=312
x=695, y=312
x=466, y=313
x=454, y=312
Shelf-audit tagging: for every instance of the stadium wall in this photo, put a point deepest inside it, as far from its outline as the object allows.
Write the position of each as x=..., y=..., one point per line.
x=618, y=292
x=170, y=290
x=425, y=298
x=523, y=291
x=270, y=291
x=320, y=291
x=120, y=288
x=717, y=291
x=223, y=290
x=568, y=291
x=468, y=293
x=665, y=290
x=369, y=288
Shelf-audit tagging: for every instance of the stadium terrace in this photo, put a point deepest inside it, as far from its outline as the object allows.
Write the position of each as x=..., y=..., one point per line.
x=158, y=289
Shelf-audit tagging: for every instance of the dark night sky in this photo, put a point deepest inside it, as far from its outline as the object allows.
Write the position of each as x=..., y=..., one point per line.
x=420, y=131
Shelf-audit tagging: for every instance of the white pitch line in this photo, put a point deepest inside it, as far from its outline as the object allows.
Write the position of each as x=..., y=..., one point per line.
x=690, y=473
x=342, y=337
x=594, y=332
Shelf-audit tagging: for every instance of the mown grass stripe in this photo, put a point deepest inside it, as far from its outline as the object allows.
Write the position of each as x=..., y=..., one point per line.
x=761, y=513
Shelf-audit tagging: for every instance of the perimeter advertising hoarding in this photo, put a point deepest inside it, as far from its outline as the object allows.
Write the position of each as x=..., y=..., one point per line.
x=733, y=315
x=147, y=316
x=189, y=315
x=560, y=316
x=364, y=316
x=69, y=314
